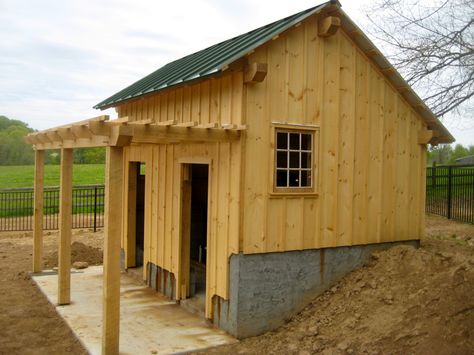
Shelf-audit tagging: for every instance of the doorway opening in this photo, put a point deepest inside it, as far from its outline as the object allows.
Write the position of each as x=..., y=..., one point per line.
x=136, y=214
x=195, y=186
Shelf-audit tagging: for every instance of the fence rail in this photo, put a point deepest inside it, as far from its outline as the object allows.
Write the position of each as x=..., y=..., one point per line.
x=16, y=208
x=450, y=191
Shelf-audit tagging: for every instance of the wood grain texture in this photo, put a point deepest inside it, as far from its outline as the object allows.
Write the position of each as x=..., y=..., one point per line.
x=365, y=150
x=112, y=231
x=65, y=227
x=38, y=212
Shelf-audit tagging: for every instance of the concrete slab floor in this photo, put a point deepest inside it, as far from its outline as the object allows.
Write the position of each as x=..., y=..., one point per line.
x=149, y=322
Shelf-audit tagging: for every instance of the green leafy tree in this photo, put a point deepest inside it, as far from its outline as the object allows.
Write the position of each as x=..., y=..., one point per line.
x=13, y=150
x=459, y=151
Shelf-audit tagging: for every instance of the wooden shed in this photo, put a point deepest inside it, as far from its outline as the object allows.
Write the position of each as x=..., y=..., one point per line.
x=249, y=176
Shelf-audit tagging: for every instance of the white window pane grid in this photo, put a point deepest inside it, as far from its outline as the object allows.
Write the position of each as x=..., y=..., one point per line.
x=294, y=159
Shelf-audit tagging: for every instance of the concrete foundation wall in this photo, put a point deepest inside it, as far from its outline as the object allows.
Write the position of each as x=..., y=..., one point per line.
x=267, y=289
x=161, y=280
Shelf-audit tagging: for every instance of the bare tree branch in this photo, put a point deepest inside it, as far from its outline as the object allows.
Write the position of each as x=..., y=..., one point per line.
x=432, y=44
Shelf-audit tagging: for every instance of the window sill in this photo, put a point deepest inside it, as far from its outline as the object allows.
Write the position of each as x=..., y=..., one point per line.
x=274, y=194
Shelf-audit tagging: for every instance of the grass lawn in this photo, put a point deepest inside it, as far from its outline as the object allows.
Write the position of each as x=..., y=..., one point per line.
x=22, y=176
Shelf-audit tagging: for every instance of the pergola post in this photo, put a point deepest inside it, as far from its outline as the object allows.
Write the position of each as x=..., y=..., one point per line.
x=112, y=236
x=65, y=228
x=38, y=212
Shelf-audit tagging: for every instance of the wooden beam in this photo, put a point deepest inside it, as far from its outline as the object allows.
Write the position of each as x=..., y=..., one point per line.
x=121, y=120
x=38, y=212
x=42, y=137
x=122, y=135
x=328, y=26
x=166, y=123
x=29, y=139
x=354, y=33
x=208, y=125
x=81, y=131
x=143, y=122
x=187, y=124
x=403, y=89
x=255, y=72
x=66, y=133
x=372, y=52
x=53, y=135
x=112, y=237
x=388, y=71
x=99, y=128
x=229, y=126
x=156, y=134
x=93, y=142
x=65, y=227
x=424, y=136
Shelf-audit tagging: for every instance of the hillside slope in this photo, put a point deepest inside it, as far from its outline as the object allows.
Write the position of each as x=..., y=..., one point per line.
x=404, y=301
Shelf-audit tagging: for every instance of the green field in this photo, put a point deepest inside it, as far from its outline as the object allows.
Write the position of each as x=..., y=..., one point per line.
x=22, y=176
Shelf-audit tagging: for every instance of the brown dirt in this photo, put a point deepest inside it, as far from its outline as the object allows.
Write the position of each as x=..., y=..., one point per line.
x=79, y=252
x=29, y=324
x=404, y=301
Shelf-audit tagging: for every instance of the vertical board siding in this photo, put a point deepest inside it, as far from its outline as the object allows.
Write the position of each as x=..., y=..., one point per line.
x=369, y=163
x=215, y=100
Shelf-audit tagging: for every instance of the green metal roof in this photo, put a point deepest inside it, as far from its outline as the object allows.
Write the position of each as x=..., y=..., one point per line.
x=207, y=61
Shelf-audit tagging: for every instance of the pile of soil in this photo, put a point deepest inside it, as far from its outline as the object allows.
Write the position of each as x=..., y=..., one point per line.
x=404, y=301
x=79, y=252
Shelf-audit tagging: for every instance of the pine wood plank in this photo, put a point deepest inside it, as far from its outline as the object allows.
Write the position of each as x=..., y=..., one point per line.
x=111, y=291
x=65, y=227
x=352, y=88
x=38, y=212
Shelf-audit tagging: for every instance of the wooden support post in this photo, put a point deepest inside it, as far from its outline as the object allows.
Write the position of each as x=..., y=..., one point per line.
x=65, y=228
x=38, y=212
x=113, y=216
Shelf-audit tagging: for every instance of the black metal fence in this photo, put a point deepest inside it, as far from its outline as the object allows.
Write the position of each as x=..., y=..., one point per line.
x=16, y=208
x=450, y=191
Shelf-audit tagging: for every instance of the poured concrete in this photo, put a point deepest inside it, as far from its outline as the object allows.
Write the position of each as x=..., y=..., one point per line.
x=149, y=322
x=265, y=290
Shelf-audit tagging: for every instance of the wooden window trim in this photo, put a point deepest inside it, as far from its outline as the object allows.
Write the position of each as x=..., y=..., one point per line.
x=295, y=191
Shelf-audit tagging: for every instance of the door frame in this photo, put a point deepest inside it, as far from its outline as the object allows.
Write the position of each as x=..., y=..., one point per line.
x=182, y=289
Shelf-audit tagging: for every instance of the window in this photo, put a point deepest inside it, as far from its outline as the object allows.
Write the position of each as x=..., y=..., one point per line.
x=294, y=159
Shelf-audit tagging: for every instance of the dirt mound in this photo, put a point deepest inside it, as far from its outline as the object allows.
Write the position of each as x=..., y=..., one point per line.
x=405, y=300
x=79, y=252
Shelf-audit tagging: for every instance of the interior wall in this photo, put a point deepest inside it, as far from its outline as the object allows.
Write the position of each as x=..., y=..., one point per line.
x=370, y=167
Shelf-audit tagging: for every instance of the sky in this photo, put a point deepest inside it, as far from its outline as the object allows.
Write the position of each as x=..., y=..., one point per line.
x=59, y=58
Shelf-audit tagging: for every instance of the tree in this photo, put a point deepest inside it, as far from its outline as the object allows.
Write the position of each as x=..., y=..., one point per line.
x=13, y=150
x=459, y=151
x=431, y=43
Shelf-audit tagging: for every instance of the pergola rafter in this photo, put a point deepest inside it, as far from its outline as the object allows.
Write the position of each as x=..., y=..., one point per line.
x=114, y=135
x=102, y=132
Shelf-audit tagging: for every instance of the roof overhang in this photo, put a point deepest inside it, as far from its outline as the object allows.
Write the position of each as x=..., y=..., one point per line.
x=331, y=8
x=102, y=132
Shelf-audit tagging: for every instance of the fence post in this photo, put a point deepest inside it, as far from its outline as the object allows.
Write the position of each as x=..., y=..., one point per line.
x=95, y=209
x=450, y=172
x=433, y=174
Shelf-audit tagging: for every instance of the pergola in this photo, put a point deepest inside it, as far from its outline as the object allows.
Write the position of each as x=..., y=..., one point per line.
x=114, y=135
